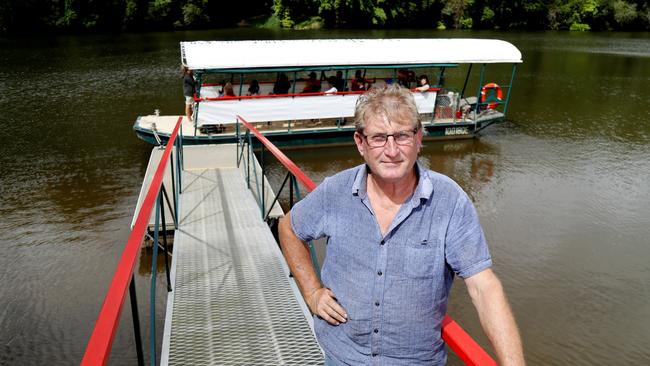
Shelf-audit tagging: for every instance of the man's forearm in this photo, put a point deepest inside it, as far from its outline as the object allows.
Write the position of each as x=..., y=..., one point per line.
x=298, y=258
x=496, y=318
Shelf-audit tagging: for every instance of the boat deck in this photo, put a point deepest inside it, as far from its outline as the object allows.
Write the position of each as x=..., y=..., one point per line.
x=232, y=301
x=165, y=124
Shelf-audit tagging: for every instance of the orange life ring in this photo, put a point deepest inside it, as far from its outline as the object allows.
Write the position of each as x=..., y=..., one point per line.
x=499, y=94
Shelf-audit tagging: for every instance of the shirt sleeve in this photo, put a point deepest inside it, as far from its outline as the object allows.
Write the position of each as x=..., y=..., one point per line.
x=309, y=215
x=466, y=250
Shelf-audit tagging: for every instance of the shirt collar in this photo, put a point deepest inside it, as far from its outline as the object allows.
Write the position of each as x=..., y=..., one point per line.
x=423, y=190
x=360, y=178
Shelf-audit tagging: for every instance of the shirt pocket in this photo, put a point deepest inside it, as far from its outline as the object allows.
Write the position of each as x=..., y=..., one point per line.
x=419, y=258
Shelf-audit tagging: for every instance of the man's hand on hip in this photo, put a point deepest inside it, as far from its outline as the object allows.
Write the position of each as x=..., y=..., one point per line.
x=322, y=302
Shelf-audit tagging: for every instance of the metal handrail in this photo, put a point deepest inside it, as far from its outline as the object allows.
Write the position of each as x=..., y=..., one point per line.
x=283, y=159
x=101, y=340
x=453, y=334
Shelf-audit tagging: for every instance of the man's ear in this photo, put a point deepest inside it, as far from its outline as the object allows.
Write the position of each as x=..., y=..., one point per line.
x=358, y=140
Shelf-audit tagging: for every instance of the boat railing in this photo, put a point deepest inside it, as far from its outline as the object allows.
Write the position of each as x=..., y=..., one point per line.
x=99, y=346
x=267, y=96
x=458, y=340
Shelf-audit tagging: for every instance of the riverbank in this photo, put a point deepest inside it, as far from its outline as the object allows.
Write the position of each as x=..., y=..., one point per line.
x=76, y=17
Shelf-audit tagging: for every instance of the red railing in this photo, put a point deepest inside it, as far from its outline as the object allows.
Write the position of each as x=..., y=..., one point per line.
x=452, y=333
x=101, y=339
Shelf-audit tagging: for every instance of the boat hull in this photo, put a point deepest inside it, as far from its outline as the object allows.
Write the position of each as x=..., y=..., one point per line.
x=340, y=135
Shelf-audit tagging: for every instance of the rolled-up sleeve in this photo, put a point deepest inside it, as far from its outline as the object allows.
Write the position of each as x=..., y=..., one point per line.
x=466, y=250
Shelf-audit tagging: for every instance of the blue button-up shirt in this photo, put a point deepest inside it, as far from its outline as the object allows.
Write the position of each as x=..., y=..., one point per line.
x=394, y=287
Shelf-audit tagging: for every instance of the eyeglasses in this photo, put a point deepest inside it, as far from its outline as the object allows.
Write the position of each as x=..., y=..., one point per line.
x=403, y=138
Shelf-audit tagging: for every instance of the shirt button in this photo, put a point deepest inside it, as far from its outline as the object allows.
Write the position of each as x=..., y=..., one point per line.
x=376, y=303
x=379, y=273
x=383, y=242
x=374, y=354
x=376, y=330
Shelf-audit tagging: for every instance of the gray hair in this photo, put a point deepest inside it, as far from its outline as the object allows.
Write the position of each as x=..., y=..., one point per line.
x=394, y=102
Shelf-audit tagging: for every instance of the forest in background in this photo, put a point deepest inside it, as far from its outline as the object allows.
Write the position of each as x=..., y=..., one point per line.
x=81, y=16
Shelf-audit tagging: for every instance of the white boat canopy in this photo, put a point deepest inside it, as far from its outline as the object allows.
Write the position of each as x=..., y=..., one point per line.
x=224, y=55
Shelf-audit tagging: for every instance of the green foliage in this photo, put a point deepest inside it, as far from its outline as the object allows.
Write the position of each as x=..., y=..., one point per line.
x=624, y=13
x=160, y=9
x=579, y=27
x=131, y=12
x=311, y=23
x=379, y=17
x=488, y=16
x=466, y=23
x=19, y=16
x=193, y=14
x=69, y=17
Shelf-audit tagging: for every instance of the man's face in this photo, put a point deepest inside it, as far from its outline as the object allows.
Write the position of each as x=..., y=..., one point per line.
x=393, y=162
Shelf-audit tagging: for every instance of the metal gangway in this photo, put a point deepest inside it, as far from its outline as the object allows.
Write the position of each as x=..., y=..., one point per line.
x=230, y=299
x=231, y=302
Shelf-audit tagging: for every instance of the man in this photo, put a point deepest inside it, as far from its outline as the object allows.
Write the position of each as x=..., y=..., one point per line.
x=397, y=234
x=312, y=85
x=189, y=89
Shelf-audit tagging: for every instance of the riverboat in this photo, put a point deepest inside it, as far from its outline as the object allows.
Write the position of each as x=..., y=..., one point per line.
x=279, y=86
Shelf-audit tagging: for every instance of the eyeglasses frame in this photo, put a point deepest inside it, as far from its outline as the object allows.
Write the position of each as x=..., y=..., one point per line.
x=415, y=131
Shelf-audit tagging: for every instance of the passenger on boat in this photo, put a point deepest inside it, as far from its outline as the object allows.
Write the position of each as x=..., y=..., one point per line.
x=405, y=77
x=359, y=82
x=228, y=90
x=331, y=81
x=189, y=89
x=424, y=83
x=340, y=81
x=221, y=92
x=312, y=85
x=282, y=85
x=398, y=233
x=254, y=88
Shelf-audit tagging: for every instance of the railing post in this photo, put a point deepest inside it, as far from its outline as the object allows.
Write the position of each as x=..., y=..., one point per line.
x=277, y=196
x=164, y=231
x=262, y=166
x=237, y=137
x=291, y=183
x=314, y=258
x=297, y=187
x=180, y=144
x=512, y=79
x=170, y=205
x=248, y=161
x=152, y=289
x=478, y=95
x=172, y=172
x=136, y=321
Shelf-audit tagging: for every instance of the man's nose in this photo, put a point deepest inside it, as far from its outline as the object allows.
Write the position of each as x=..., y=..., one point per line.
x=391, y=148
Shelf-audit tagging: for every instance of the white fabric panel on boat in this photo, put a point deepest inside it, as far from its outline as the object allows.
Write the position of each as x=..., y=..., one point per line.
x=314, y=52
x=287, y=108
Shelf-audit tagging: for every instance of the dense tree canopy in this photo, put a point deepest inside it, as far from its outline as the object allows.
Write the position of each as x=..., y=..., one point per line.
x=34, y=16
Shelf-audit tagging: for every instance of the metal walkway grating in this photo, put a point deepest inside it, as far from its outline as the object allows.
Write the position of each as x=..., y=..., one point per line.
x=232, y=302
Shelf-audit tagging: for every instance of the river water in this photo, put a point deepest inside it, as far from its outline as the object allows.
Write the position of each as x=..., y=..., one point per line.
x=562, y=188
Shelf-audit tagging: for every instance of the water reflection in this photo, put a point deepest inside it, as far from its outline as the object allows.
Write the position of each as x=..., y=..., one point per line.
x=469, y=162
x=146, y=256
